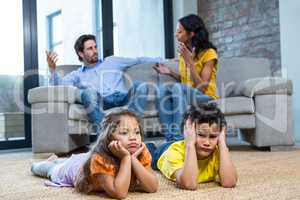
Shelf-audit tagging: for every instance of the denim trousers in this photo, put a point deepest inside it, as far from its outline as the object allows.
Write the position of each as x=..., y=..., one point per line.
x=95, y=104
x=172, y=103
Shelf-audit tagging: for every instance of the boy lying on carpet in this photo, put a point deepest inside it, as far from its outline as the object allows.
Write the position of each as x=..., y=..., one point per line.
x=119, y=161
x=202, y=155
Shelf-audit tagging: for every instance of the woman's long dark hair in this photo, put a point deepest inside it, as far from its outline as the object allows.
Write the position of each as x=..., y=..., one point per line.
x=200, y=41
x=108, y=127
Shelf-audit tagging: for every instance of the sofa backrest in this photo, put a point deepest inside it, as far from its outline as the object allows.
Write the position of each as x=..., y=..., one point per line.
x=233, y=71
x=142, y=73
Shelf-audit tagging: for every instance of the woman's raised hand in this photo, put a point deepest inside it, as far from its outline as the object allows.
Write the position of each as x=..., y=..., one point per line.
x=187, y=55
x=162, y=69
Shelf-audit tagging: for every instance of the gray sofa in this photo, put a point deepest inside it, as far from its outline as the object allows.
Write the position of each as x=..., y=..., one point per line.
x=256, y=103
x=259, y=105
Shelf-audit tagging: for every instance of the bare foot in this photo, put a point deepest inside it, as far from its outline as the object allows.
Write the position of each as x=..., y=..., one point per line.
x=52, y=157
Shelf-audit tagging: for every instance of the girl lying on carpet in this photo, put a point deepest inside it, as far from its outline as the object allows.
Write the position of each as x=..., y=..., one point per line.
x=118, y=162
x=202, y=155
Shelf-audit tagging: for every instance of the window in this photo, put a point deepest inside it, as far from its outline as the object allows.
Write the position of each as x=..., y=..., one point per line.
x=136, y=28
x=55, y=32
x=17, y=73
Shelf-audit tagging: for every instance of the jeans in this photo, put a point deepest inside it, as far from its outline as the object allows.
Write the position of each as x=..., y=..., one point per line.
x=156, y=152
x=172, y=103
x=95, y=104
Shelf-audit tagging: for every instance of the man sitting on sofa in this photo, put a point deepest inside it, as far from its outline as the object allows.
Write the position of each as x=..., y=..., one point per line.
x=101, y=83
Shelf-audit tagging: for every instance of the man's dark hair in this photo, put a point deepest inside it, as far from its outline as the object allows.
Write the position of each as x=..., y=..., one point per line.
x=79, y=44
x=204, y=113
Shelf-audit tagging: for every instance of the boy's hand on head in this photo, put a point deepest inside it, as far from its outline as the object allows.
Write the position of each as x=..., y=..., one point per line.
x=117, y=149
x=189, y=132
x=222, y=136
x=139, y=150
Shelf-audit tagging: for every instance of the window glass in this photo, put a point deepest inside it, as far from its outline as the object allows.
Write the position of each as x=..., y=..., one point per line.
x=11, y=71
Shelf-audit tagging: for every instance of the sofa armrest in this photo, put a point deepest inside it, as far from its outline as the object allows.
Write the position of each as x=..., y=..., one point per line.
x=53, y=94
x=263, y=86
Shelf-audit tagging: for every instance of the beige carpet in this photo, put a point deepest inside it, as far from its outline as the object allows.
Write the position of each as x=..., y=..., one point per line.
x=262, y=175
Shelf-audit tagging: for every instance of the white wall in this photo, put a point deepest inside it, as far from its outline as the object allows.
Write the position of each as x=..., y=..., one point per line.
x=290, y=51
x=139, y=28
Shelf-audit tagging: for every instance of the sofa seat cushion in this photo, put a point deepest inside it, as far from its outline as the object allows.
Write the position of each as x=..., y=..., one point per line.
x=245, y=121
x=79, y=127
x=236, y=105
x=78, y=112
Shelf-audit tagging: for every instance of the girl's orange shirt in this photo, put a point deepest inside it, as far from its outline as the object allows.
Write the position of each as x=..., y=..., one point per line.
x=100, y=165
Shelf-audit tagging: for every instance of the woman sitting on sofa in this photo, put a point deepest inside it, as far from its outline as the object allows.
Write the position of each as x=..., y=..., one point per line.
x=197, y=75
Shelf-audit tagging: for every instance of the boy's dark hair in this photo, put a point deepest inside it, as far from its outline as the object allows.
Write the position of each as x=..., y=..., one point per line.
x=204, y=113
x=79, y=44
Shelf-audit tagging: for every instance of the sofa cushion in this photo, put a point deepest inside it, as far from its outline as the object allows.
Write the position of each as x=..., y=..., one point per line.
x=78, y=112
x=143, y=73
x=263, y=86
x=236, y=70
x=236, y=105
x=79, y=127
x=246, y=121
x=226, y=90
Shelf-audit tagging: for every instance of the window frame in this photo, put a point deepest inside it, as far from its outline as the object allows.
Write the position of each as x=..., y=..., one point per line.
x=107, y=27
x=51, y=43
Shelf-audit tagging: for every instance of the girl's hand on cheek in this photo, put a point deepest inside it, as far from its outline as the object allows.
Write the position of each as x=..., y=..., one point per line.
x=139, y=150
x=117, y=149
